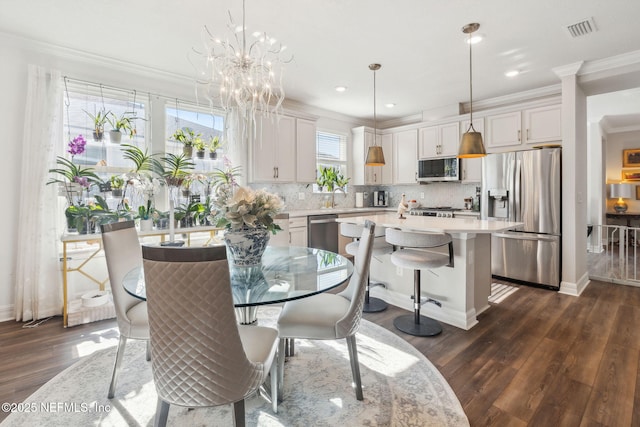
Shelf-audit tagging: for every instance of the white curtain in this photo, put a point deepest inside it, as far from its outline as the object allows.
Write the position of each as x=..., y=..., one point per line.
x=38, y=286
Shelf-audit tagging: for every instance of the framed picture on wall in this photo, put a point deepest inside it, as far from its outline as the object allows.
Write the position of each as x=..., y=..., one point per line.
x=631, y=174
x=631, y=158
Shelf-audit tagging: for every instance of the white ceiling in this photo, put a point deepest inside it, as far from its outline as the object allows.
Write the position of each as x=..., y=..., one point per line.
x=424, y=57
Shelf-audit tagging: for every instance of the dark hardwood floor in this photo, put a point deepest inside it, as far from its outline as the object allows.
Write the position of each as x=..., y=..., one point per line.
x=538, y=358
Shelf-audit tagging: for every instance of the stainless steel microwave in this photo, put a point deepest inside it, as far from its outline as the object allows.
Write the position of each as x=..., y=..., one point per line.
x=442, y=169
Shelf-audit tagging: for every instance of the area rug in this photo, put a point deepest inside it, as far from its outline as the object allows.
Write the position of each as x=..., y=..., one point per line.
x=500, y=291
x=401, y=388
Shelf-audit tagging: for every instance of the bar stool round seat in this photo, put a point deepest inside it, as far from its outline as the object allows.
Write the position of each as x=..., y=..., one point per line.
x=380, y=247
x=413, y=253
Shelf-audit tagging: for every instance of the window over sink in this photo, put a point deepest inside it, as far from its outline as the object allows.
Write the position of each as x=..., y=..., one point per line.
x=331, y=151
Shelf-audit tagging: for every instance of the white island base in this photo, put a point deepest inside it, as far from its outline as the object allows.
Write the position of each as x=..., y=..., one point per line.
x=463, y=290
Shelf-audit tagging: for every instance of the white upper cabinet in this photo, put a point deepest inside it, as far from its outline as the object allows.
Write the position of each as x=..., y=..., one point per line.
x=439, y=141
x=471, y=169
x=370, y=175
x=503, y=130
x=529, y=126
x=405, y=157
x=542, y=124
x=274, y=150
x=305, y=151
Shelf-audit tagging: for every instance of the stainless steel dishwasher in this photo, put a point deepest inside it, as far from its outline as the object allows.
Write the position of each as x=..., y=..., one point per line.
x=323, y=232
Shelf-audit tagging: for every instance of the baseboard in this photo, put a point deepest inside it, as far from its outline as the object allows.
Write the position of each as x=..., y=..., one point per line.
x=444, y=314
x=7, y=313
x=575, y=289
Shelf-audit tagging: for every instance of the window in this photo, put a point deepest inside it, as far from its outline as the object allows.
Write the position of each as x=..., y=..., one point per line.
x=331, y=151
x=84, y=103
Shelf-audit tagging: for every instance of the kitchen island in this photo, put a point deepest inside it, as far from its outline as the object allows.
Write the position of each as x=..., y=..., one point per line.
x=463, y=290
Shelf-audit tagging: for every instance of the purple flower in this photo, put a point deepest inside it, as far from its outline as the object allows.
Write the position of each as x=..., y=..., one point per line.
x=82, y=180
x=76, y=146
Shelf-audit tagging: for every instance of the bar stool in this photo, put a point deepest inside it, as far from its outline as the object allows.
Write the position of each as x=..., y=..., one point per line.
x=380, y=247
x=413, y=253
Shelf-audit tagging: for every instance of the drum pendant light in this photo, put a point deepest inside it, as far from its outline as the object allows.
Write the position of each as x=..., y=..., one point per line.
x=375, y=156
x=471, y=144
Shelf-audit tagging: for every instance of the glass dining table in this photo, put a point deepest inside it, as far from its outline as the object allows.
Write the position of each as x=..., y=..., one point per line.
x=285, y=274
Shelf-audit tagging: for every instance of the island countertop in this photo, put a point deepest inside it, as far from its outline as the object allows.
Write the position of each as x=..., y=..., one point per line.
x=435, y=224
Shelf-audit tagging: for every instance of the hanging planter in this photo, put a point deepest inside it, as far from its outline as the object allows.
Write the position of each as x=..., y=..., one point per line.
x=213, y=155
x=115, y=136
x=200, y=154
x=187, y=150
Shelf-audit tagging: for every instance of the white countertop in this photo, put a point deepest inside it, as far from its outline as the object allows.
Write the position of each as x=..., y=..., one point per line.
x=435, y=224
x=337, y=211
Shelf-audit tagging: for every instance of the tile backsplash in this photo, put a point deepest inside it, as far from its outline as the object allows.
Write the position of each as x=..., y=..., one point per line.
x=435, y=194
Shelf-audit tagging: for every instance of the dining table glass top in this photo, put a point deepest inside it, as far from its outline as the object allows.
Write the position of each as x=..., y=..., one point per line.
x=286, y=273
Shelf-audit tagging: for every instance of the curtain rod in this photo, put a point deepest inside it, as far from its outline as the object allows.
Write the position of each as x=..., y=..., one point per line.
x=134, y=91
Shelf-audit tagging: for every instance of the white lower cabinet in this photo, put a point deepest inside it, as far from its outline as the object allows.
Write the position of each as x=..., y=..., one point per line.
x=298, y=231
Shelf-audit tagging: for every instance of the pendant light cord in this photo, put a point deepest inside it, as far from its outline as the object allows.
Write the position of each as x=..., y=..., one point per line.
x=470, y=84
x=375, y=118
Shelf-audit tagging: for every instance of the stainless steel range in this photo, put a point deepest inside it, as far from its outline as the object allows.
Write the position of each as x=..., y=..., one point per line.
x=439, y=212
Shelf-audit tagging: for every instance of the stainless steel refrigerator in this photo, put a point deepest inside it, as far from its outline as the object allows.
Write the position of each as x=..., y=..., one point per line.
x=524, y=186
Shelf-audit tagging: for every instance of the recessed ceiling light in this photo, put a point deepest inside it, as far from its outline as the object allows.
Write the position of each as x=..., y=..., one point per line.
x=390, y=105
x=512, y=73
x=341, y=88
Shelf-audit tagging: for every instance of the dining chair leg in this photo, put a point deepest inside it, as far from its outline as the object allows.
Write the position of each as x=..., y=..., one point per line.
x=238, y=413
x=280, y=360
x=355, y=365
x=116, y=367
x=162, y=413
x=148, y=350
x=274, y=374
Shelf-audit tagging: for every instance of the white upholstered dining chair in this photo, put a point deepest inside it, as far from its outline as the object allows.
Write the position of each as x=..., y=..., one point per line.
x=122, y=253
x=329, y=316
x=200, y=356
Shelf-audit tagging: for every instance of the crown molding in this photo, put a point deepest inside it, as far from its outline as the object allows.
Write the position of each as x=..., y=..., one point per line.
x=568, y=70
x=625, y=60
x=514, y=98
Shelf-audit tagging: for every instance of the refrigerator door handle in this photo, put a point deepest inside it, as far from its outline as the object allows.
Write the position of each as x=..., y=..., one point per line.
x=527, y=236
x=517, y=214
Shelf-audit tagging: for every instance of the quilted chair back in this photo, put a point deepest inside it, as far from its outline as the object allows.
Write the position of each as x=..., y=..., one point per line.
x=122, y=252
x=197, y=357
x=355, y=291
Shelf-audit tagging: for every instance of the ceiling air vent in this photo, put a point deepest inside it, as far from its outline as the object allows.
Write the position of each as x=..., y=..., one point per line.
x=582, y=28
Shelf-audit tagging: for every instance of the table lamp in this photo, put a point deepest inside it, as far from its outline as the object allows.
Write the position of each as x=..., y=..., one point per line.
x=620, y=191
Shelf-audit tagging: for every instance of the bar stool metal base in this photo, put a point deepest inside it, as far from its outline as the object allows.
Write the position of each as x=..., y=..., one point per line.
x=374, y=305
x=426, y=328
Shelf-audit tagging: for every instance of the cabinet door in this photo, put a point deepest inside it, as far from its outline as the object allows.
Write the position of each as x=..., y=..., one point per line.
x=305, y=151
x=449, y=135
x=264, y=149
x=472, y=169
x=285, y=155
x=503, y=130
x=429, y=144
x=298, y=236
x=542, y=124
x=405, y=159
x=386, y=141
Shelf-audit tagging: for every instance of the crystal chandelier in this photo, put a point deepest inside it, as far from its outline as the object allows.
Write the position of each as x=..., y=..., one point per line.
x=240, y=74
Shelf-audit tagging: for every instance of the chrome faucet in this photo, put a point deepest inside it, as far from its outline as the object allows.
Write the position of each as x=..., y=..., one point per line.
x=333, y=193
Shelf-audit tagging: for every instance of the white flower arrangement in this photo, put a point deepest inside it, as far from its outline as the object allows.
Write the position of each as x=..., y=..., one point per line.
x=240, y=208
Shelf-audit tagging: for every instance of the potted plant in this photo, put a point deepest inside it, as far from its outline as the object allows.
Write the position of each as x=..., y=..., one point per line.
x=120, y=124
x=248, y=217
x=99, y=120
x=214, y=144
x=172, y=168
x=187, y=137
x=199, y=145
x=117, y=184
x=141, y=159
x=144, y=214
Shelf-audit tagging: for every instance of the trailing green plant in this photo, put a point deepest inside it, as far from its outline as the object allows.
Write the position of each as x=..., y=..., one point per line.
x=122, y=123
x=186, y=136
x=117, y=182
x=215, y=143
x=99, y=119
x=141, y=159
x=172, y=168
x=330, y=177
